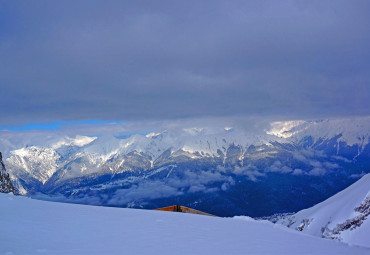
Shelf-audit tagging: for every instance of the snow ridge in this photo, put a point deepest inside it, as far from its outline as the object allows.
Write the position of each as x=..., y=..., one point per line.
x=344, y=216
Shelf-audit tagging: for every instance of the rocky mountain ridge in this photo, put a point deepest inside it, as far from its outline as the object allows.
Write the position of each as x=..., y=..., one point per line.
x=6, y=185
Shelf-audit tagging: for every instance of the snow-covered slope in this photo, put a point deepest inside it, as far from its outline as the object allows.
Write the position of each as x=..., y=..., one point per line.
x=345, y=216
x=38, y=227
x=6, y=185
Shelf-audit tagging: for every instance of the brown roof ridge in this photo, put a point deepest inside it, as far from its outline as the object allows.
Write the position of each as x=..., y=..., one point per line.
x=184, y=209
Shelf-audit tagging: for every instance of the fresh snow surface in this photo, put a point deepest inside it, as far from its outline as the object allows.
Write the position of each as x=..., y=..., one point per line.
x=327, y=218
x=38, y=227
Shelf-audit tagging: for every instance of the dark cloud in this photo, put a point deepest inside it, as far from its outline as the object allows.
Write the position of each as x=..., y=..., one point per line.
x=135, y=60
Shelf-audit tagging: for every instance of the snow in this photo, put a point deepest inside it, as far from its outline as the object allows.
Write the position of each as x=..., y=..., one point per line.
x=38, y=155
x=337, y=210
x=39, y=227
x=41, y=163
x=352, y=130
x=77, y=141
x=153, y=134
x=284, y=128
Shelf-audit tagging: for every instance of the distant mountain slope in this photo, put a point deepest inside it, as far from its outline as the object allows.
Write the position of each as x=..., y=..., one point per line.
x=41, y=227
x=6, y=185
x=344, y=216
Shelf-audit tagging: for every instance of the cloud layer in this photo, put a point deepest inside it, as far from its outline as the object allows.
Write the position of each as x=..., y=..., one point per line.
x=138, y=60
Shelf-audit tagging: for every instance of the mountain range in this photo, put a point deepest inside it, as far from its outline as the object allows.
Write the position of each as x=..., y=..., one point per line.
x=225, y=170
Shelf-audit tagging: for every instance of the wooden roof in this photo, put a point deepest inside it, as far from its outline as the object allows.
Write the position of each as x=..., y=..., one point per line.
x=184, y=209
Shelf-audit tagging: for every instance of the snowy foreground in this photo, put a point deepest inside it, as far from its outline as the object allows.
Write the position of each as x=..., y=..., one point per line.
x=38, y=227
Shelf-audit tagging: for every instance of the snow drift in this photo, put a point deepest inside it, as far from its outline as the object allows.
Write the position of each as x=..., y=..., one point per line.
x=38, y=227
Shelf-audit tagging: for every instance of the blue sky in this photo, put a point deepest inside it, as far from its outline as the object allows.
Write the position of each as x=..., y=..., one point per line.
x=140, y=60
x=55, y=125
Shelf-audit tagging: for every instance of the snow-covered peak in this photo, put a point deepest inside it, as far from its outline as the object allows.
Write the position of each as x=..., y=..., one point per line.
x=151, y=135
x=352, y=130
x=285, y=129
x=77, y=141
x=41, y=163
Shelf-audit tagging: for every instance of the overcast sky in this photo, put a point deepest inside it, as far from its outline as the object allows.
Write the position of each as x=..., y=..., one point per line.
x=154, y=60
